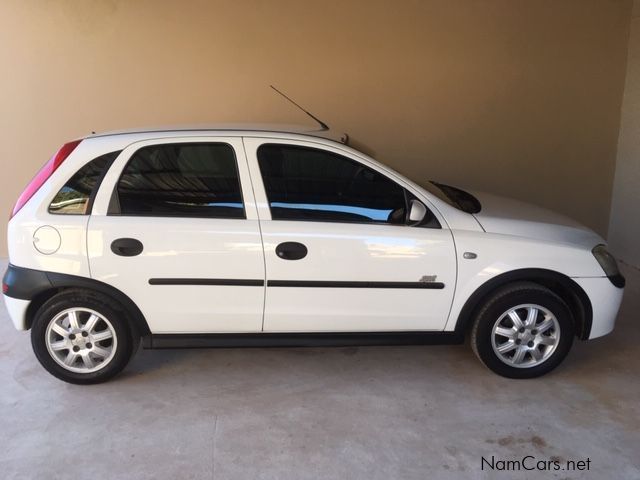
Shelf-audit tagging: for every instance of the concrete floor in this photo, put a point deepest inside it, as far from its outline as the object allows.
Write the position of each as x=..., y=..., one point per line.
x=331, y=413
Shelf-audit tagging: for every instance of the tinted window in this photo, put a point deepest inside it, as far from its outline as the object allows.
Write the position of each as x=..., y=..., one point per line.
x=77, y=194
x=310, y=184
x=459, y=198
x=186, y=180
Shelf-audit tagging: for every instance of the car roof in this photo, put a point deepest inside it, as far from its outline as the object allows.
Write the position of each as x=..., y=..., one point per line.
x=231, y=129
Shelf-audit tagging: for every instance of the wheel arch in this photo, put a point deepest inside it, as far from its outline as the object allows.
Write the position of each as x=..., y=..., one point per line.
x=38, y=286
x=563, y=286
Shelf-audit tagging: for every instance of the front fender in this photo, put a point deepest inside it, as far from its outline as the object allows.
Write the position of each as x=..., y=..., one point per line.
x=503, y=259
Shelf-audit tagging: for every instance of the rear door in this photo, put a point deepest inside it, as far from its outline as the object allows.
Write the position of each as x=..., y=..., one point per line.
x=339, y=253
x=175, y=228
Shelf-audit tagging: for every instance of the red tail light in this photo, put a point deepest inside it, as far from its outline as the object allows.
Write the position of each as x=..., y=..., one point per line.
x=43, y=175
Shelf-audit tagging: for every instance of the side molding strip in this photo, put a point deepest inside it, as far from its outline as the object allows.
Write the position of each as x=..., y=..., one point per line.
x=207, y=281
x=347, y=284
x=294, y=283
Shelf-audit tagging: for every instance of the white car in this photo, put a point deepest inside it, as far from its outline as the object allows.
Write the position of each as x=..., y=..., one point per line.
x=228, y=237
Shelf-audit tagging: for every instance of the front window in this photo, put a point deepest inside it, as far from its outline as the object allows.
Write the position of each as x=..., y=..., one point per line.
x=305, y=183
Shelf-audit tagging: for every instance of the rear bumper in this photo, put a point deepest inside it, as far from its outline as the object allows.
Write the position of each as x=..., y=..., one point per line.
x=24, y=283
x=20, y=286
x=17, y=311
x=605, y=300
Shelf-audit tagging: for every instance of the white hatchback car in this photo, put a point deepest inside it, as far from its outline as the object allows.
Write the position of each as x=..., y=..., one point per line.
x=228, y=237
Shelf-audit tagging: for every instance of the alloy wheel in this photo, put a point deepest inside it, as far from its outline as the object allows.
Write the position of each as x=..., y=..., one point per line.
x=81, y=340
x=525, y=336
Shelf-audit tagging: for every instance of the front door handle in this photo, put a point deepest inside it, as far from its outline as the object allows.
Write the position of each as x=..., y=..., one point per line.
x=127, y=247
x=291, y=251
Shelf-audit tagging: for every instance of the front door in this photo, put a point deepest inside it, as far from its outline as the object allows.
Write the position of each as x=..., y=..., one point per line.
x=175, y=228
x=340, y=254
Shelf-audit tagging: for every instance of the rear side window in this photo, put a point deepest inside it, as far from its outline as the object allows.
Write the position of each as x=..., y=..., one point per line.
x=181, y=180
x=76, y=197
x=311, y=184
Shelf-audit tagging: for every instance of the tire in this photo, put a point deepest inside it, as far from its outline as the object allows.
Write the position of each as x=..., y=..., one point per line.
x=533, y=348
x=96, y=349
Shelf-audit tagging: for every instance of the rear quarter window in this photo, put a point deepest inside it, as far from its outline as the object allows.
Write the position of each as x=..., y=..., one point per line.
x=76, y=197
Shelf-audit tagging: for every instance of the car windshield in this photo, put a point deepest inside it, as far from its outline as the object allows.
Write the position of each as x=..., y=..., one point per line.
x=454, y=196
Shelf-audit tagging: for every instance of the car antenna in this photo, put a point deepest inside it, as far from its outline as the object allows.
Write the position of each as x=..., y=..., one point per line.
x=323, y=126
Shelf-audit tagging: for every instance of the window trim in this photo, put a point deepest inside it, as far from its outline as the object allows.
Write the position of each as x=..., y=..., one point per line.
x=94, y=190
x=94, y=193
x=114, y=208
x=407, y=193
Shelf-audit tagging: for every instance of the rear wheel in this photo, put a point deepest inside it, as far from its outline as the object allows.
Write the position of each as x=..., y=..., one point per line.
x=82, y=337
x=523, y=330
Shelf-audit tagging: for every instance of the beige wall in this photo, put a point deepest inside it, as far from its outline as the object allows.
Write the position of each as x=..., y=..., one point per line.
x=518, y=97
x=624, y=227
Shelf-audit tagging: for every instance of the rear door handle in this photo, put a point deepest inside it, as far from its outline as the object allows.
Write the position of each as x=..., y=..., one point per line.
x=291, y=251
x=127, y=247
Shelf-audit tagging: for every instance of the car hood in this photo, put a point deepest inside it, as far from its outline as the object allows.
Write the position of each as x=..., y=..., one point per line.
x=512, y=217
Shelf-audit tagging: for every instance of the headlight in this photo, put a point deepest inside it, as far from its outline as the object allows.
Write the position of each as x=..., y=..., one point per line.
x=606, y=260
x=609, y=265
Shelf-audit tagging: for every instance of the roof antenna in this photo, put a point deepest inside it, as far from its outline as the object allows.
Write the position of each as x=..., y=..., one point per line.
x=323, y=126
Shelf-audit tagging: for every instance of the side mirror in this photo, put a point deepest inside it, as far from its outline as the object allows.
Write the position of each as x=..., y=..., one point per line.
x=417, y=211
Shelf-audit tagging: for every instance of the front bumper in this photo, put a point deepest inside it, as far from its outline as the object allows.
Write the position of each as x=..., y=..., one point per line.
x=605, y=300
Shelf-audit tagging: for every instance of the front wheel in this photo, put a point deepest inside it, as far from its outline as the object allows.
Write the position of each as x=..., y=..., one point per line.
x=82, y=337
x=523, y=330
